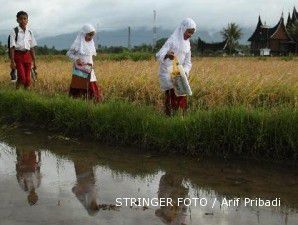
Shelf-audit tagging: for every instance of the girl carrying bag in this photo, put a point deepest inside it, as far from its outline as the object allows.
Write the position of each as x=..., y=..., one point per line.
x=180, y=81
x=81, y=76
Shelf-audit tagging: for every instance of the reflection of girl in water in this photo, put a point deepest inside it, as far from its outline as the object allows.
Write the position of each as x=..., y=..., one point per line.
x=28, y=173
x=85, y=188
x=170, y=186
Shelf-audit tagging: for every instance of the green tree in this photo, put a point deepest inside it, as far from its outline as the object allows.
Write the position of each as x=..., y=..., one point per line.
x=232, y=33
x=159, y=44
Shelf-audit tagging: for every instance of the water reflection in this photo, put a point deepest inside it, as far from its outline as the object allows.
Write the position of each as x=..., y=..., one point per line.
x=85, y=188
x=171, y=187
x=28, y=173
x=69, y=182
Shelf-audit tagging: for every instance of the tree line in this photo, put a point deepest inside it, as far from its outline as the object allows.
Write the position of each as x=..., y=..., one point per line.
x=232, y=33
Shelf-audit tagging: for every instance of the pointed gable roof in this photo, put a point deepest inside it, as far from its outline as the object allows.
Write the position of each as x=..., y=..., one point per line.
x=289, y=21
x=257, y=30
x=263, y=33
x=215, y=46
x=294, y=15
x=279, y=31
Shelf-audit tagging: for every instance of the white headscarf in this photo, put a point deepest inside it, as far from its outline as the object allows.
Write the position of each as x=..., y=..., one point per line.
x=80, y=45
x=176, y=41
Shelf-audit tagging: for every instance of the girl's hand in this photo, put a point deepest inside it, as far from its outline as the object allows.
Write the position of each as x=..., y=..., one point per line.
x=34, y=66
x=170, y=55
x=79, y=62
x=13, y=65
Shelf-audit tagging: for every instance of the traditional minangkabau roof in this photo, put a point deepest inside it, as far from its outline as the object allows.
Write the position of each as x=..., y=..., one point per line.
x=294, y=19
x=289, y=21
x=257, y=30
x=263, y=33
x=280, y=27
x=294, y=15
x=216, y=46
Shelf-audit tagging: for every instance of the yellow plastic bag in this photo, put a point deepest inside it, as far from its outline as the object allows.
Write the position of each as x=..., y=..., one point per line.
x=179, y=79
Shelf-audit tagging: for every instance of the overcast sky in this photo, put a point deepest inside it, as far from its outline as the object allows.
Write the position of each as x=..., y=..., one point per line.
x=51, y=17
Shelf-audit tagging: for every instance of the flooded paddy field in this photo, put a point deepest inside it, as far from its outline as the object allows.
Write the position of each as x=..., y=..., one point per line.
x=51, y=179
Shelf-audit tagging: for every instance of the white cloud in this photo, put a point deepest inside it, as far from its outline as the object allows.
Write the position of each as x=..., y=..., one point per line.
x=49, y=17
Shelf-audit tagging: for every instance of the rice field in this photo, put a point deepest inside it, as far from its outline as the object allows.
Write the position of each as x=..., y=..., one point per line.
x=216, y=82
x=241, y=107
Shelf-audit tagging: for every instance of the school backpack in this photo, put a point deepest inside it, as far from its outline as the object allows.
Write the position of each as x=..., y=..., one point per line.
x=16, y=30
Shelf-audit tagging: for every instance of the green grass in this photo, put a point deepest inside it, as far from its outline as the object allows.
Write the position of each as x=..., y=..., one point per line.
x=134, y=56
x=224, y=132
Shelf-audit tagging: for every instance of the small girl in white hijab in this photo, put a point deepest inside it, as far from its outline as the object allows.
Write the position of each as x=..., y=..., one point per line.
x=82, y=50
x=177, y=46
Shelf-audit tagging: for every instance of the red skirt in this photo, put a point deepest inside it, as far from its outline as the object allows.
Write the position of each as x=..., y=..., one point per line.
x=83, y=88
x=174, y=102
x=23, y=62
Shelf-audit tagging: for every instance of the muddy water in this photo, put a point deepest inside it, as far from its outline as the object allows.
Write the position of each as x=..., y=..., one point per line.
x=47, y=179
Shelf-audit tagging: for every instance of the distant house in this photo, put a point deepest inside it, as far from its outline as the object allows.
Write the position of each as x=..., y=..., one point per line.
x=292, y=19
x=290, y=22
x=276, y=40
x=208, y=48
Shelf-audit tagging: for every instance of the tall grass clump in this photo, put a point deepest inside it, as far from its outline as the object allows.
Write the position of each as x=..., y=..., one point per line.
x=223, y=131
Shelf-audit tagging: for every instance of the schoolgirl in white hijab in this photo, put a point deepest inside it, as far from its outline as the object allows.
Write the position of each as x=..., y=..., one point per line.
x=177, y=45
x=81, y=52
x=82, y=47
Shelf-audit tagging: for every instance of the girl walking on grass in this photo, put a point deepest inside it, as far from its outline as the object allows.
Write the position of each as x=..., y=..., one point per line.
x=83, y=83
x=176, y=47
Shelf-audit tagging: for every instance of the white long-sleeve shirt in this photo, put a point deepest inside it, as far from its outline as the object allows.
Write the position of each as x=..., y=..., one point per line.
x=86, y=59
x=164, y=73
x=25, y=40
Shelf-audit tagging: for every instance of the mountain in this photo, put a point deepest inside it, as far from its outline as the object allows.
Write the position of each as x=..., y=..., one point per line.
x=3, y=39
x=119, y=37
x=106, y=38
x=215, y=36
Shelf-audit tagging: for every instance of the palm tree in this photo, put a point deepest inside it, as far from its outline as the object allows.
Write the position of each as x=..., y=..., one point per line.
x=232, y=33
x=294, y=33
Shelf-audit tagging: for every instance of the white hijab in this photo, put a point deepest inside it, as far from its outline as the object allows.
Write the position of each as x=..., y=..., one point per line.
x=176, y=41
x=80, y=45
